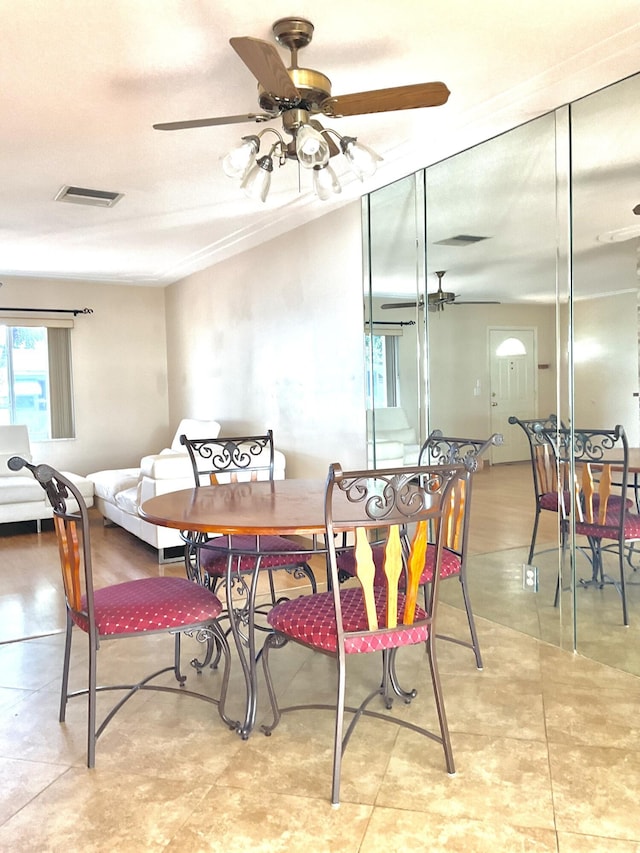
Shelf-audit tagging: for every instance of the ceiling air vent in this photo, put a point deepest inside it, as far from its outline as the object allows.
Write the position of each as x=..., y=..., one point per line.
x=82, y=195
x=460, y=240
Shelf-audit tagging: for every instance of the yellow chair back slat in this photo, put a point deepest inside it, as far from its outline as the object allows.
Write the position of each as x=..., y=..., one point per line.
x=392, y=568
x=366, y=572
x=69, y=550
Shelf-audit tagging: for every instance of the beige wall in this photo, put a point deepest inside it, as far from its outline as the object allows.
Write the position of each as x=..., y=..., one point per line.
x=606, y=363
x=458, y=357
x=272, y=339
x=119, y=371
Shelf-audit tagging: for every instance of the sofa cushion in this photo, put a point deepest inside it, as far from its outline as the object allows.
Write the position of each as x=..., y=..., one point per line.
x=15, y=490
x=127, y=500
x=107, y=484
x=83, y=484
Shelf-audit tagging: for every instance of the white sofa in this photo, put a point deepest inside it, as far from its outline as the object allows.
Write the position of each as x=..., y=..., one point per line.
x=119, y=493
x=21, y=497
x=396, y=440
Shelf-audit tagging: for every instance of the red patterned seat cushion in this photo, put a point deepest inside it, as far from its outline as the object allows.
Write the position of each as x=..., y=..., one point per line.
x=150, y=604
x=610, y=530
x=450, y=564
x=311, y=619
x=549, y=500
x=276, y=552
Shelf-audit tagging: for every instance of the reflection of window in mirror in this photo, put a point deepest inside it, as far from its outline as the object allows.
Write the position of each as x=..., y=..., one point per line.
x=381, y=369
x=512, y=346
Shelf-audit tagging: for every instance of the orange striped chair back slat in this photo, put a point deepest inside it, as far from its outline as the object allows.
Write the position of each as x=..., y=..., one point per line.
x=69, y=550
x=453, y=517
x=595, y=481
x=545, y=468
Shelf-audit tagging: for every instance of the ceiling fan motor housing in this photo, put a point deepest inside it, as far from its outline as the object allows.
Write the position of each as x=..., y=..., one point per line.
x=314, y=86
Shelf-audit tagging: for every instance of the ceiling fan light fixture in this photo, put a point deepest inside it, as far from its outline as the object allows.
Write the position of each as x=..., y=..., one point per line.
x=241, y=158
x=312, y=149
x=325, y=182
x=257, y=182
x=362, y=160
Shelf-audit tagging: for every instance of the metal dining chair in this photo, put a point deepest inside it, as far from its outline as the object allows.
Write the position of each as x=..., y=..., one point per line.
x=122, y=611
x=370, y=617
x=234, y=459
x=439, y=449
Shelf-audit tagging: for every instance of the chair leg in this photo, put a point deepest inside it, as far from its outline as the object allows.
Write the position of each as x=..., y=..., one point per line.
x=623, y=586
x=273, y=641
x=472, y=624
x=534, y=534
x=176, y=660
x=442, y=717
x=92, y=735
x=337, y=740
x=64, y=689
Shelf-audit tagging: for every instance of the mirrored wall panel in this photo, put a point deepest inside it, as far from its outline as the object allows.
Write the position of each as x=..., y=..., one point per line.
x=606, y=256
x=519, y=282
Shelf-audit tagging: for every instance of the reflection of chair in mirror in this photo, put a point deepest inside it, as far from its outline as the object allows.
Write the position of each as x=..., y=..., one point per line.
x=601, y=460
x=124, y=610
x=544, y=469
x=367, y=617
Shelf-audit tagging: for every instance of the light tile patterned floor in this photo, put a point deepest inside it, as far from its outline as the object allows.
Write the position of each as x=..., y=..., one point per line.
x=545, y=742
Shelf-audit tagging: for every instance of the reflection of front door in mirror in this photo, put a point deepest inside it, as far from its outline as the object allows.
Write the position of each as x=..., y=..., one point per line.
x=513, y=392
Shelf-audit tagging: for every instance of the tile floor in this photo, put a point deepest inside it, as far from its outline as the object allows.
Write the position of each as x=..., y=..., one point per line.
x=546, y=746
x=546, y=742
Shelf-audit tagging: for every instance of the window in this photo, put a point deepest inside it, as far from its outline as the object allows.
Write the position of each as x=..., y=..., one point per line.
x=35, y=380
x=511, y=346
x=381, y=360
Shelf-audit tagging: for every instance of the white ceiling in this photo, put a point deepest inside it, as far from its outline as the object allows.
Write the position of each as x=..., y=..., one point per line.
x=83, y=82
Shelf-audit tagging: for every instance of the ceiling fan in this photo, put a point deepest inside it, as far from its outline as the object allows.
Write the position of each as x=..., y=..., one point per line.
x=282, y=90
x=437, y=301
x=297, y=95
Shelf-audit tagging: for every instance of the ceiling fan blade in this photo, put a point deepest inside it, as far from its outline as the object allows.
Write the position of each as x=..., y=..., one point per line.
x=265, y=63
x=474, y=302
x=385, y=100
x=402, y=304
x=209, y=122
x=333, y=148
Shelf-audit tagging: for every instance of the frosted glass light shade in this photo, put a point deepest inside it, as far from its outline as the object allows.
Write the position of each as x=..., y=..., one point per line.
x=325, y=182
x=361, y=159
x=257, y=181
x=240, y=159
x=312, y=149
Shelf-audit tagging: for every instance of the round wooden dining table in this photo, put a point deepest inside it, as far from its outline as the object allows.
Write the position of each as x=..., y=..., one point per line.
x=262, y=507
x=278, y=507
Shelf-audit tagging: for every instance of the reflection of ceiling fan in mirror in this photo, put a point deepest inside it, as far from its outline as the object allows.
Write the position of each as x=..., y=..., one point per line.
x=437, y=301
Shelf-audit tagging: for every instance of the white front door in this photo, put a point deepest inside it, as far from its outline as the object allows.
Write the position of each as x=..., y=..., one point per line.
x=512, y=356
